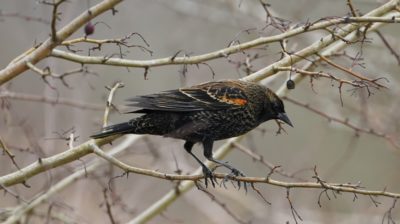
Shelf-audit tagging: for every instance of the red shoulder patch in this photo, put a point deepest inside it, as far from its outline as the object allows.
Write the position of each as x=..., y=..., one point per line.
x=236, y=101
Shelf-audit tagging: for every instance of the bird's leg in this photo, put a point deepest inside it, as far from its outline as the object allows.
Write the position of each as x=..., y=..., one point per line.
x=208, y=145
x=206, y=171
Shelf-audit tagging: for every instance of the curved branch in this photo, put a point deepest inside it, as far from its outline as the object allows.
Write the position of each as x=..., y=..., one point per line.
x=219, y=53
x=222, y=176
x=44, y=164
x=44, y=49
x=24, y=208
x=184, y=186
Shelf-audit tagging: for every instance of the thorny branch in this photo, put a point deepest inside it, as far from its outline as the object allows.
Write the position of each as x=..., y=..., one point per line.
x=119, y=42
x=354, y=83
x=46, y=72
x=216, y=54
x=359, y=76
x=268, y=179
x=44, y=49
x=278, y=23
x=332, y=186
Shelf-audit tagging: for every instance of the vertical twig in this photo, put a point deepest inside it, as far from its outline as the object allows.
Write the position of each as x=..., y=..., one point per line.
x=8, y=153
x=109, y=102
x=352, y=10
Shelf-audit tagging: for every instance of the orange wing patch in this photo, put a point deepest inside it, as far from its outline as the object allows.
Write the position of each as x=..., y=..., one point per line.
x=236, y=101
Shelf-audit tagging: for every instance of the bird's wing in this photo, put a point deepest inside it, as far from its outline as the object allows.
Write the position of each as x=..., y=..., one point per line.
x=209, y=96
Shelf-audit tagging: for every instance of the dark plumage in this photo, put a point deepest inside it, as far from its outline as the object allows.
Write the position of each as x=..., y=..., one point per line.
x=203, y=113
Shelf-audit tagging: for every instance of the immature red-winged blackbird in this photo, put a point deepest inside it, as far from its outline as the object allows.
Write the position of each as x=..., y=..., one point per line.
x=203, y=113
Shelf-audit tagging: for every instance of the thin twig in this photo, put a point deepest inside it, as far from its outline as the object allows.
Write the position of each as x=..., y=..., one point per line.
x=108, y=207
x=359, y=76
x=388, y=46
x=221, y=204
x=109, y=102
x=352, y=10
x=50, y=100
x=346, y=122
x=8, y=152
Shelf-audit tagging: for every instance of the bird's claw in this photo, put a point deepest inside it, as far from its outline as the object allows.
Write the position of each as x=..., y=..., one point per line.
x=236, y=173
x=208, y=174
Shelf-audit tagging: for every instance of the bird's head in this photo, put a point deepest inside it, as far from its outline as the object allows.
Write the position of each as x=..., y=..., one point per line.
x=274, y=108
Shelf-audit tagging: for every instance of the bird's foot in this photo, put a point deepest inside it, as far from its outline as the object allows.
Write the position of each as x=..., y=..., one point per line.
x=208, y=174
x=236, y=173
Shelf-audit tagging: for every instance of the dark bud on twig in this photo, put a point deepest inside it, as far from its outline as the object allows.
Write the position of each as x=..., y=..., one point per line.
x=89, y=29
x=290, y=84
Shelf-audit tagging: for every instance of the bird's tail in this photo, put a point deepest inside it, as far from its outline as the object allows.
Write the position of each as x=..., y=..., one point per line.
x=121, y=128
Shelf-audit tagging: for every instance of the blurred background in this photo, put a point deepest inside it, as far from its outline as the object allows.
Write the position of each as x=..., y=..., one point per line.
x=35, y=129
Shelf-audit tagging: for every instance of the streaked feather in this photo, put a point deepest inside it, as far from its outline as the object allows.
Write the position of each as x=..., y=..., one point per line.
x=208, y=96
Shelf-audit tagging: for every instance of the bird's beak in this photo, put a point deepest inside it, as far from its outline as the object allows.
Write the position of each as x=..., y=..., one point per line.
x=283, y=117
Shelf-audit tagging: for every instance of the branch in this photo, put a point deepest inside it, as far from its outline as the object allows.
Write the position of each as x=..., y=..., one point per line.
x=222, y=176
x=21, y=210
x=352, y=10
x=317, y=46
x=50, y=100
x=84, y=149
x=44, y=50
x=109, y=102
x=326, y=75
x=223, y=52
x=388, y=46
x=8, y=152
x=44, y=164
x=184, y=186
x=54, y=19
x=359, y=76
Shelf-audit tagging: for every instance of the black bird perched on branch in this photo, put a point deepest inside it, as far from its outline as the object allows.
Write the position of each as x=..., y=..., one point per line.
x=203, y=113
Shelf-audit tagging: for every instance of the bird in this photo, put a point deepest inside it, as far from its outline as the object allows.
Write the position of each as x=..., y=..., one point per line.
x=203, y=113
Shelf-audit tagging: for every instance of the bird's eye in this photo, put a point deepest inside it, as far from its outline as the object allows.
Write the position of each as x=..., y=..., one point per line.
x=275, y=106
x=278, y=108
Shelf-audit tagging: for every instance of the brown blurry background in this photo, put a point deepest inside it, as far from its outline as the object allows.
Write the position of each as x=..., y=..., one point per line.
x=31, y=129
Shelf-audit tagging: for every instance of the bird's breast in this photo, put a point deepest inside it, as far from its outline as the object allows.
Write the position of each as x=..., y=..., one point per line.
x=222, y=124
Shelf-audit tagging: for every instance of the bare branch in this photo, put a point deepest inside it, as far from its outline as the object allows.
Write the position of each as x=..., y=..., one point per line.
x=198, y=177
x=229, y=50
x=359, y=76
x=50, y=100
x=388, y=46
x=352, y=10
x=8, y=152
x=109, y=102
x=44, y=50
